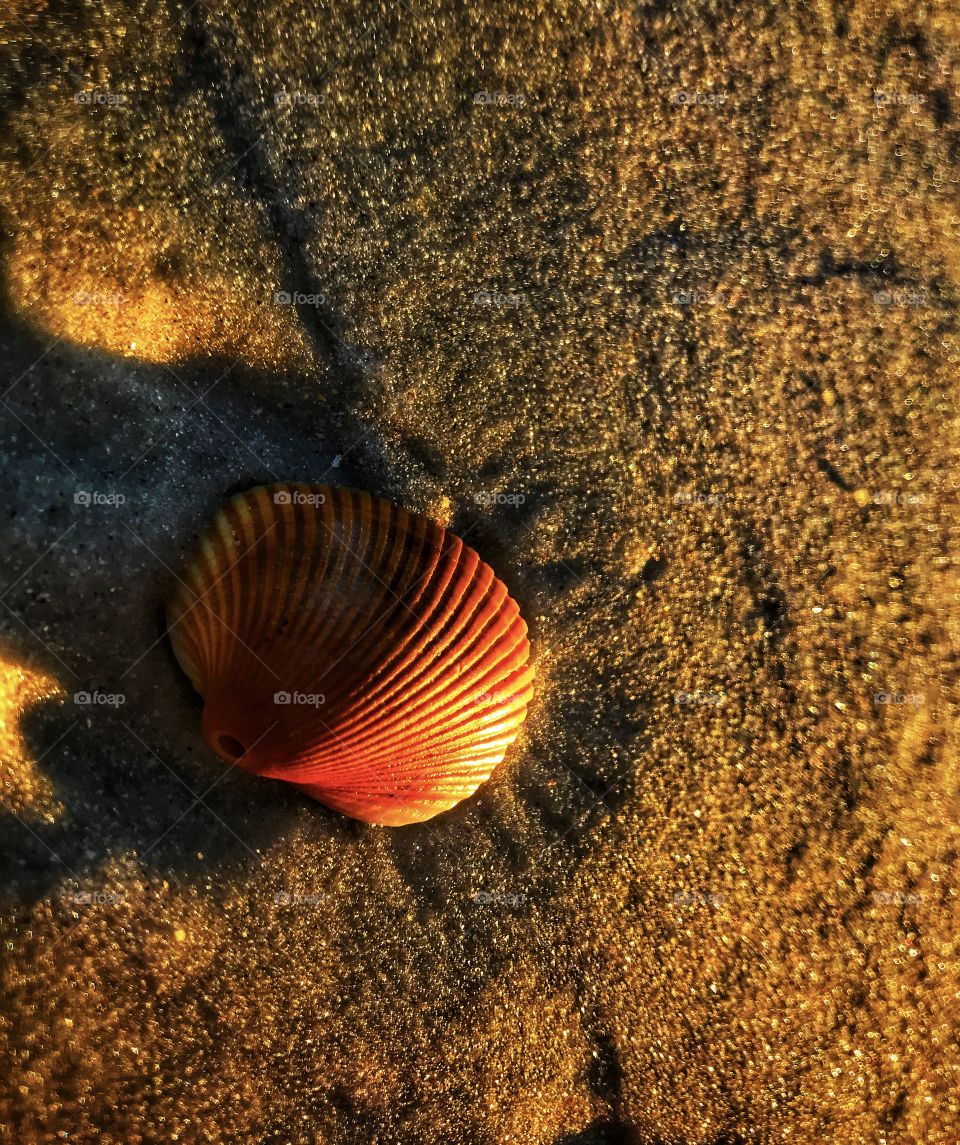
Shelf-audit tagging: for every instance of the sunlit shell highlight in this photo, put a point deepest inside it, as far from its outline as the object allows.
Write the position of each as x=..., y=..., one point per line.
x=356, y=650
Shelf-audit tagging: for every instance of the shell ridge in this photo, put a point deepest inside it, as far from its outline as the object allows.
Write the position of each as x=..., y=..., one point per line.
x=393, y=676
x=403, y=651
x=440, y=731
x=372, y=633
x=435, y=671
x=340, y=685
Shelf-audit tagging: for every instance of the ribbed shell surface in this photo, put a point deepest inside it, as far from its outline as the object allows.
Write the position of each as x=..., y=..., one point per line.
x=354, y=649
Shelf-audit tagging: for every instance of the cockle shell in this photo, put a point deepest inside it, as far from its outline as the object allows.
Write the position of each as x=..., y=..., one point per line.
x=354, y=649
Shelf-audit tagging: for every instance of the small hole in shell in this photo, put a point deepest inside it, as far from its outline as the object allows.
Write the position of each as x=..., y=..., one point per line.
x=230, y=746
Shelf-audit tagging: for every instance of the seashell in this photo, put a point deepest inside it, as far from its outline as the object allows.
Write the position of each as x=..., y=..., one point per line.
x=353, y=649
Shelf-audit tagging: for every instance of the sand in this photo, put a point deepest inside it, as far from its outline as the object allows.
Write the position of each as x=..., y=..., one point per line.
x=656, y=307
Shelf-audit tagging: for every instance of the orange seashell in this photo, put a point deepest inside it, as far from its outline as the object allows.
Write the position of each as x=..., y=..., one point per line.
x=354, y=649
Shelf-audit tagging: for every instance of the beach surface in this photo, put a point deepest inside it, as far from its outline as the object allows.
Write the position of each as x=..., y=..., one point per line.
x=655, y=305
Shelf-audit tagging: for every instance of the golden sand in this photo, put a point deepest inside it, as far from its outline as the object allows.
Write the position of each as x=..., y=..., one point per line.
x=713, y=895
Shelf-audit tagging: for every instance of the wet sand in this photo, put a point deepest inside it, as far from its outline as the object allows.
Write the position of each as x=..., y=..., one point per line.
x=656, y=307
